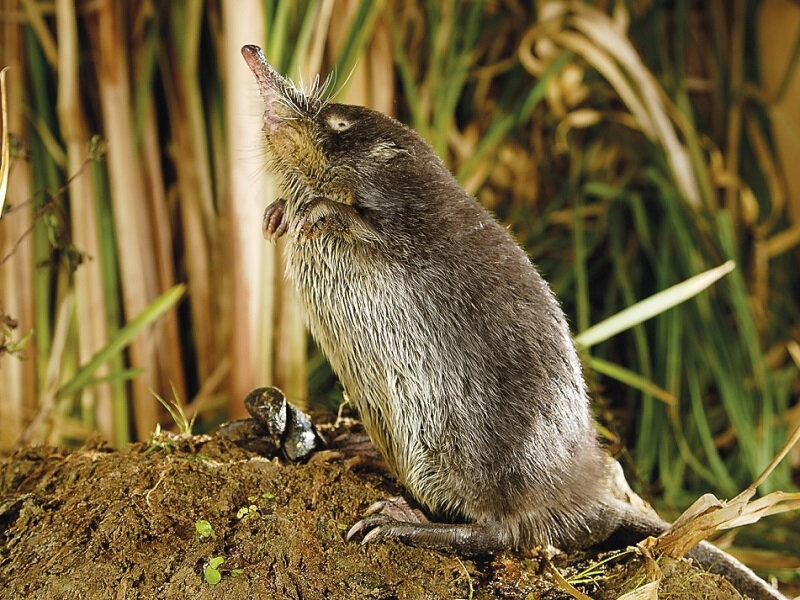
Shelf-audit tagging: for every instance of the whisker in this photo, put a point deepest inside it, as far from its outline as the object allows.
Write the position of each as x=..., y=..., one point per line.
x=344, y=83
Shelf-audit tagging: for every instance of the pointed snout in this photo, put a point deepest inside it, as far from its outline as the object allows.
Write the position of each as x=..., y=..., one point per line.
x=269, y=80
x=273, y=86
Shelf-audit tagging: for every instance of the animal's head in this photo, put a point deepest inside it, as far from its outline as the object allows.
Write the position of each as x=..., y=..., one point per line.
x=342, y=152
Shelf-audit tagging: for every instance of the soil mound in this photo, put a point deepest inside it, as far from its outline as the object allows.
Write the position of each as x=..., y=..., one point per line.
x=97, y=523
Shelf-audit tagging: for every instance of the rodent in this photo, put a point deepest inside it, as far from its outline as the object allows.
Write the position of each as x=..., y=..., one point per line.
x=450, y=344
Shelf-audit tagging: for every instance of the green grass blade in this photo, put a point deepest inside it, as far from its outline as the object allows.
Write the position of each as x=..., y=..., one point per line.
x=724, y=481
x=303, y=38
x=652, y=306
x=360, y=30
x=406, y=72
x=278, y=30
x=628, y=377
x=122, y=338
x=108, y=264
x=115, y=376
x=579, y=248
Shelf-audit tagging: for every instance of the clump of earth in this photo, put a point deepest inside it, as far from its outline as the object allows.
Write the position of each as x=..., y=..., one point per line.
x=154, y=519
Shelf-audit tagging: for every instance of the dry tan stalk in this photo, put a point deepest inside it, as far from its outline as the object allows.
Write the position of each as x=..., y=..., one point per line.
x=577, y=119
x=312, y=62
x=353, y=87
x=160, y=218
x=138, y=273
x=68, y=427
x=767, y=162
x=253, y=260
x=648, y=591
x=39, y=429
x=208, y=388
x=764, y=559
x=612, y=72
x=194, y=199
x=566, y=586
x=206, y=235
x=88, y=283
x=779, y=22
x=602, y=43
x=291, y=346
x=5, y=144
x=381, y=69
x=601, y=30
x=18, y=375
x=736, y=71
x=782, y=241
x=51, y=144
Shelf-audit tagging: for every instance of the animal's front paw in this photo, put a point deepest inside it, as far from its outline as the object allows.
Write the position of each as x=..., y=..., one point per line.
x=275, y=220
x=317, y=216
x=322, y=216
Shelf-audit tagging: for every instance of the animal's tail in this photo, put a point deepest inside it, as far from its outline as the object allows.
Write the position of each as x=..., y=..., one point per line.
x=740, y=575
x=634, y=526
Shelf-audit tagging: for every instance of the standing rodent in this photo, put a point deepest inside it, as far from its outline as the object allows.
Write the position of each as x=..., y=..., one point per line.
x=449, y=343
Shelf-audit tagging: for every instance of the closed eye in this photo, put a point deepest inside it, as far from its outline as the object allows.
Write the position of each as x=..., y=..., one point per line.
x=338, y=123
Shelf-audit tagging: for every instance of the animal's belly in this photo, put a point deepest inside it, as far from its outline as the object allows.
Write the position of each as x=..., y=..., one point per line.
x=366, y=322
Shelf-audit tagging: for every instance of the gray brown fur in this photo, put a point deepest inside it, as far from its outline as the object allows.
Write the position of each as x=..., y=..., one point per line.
x=450, y=344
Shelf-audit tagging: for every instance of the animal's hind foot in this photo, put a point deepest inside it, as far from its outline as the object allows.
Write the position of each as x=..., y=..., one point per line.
x=397, y=508
x=411, y=527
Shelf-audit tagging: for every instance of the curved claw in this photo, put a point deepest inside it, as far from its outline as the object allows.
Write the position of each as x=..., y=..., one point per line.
x=375, y=507
x=354, y=530
x=373, y=536
x=368, y=524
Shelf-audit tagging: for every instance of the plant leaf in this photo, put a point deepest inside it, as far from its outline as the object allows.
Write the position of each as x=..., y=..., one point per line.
x=122, y=338
x=652, y=306
x=628, y=377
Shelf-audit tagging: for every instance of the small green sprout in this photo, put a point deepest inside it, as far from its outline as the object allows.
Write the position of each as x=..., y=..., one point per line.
x=236, y=572
x=175, y=409
x=204, y=529
x=160, y=441
x=246, y=512
x=342, y=526
x=211, y=572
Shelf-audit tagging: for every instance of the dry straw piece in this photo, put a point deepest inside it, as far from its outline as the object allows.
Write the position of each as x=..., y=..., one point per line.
x=603, y=44
x=5, y=151
x=709, y=515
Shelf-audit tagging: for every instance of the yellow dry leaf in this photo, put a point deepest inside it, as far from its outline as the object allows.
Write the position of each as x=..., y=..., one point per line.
x=567, y=586
x=709, y=515
x=648, y=591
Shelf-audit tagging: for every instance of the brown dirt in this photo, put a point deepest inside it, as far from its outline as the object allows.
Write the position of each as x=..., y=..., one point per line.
x=97, y=523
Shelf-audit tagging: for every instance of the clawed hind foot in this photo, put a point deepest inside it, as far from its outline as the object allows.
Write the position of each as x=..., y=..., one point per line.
x=387, y=518
x=396, y=519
